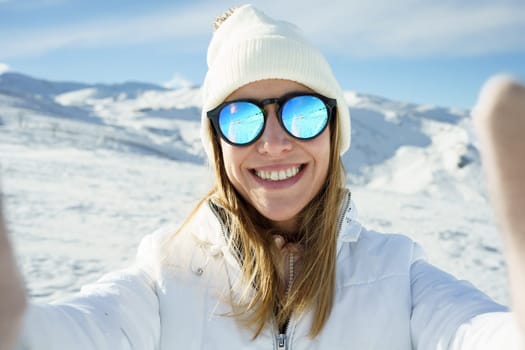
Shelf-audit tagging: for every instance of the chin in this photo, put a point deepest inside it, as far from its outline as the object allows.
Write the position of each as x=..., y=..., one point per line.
x=281, y=219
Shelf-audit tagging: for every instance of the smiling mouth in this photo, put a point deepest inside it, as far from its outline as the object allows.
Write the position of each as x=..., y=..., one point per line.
x=278, y=175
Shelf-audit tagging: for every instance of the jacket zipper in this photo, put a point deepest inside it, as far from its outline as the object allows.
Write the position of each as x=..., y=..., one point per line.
x=224, y=231
x=344, y=208
x=281, y=341
x=282, y=337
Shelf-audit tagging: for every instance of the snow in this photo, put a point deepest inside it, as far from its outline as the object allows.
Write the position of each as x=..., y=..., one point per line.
x=87, y=170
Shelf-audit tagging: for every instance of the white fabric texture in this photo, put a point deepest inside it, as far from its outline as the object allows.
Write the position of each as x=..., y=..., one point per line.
x=489, y=331
x=387, y=297
x=250, y=46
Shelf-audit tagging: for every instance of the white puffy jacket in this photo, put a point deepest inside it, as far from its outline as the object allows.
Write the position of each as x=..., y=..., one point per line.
x=387, y=297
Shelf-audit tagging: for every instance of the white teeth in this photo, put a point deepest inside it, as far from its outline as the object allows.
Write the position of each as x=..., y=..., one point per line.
x=277, y=175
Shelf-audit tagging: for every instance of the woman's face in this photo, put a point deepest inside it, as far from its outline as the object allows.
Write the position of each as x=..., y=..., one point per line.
x=250, y=168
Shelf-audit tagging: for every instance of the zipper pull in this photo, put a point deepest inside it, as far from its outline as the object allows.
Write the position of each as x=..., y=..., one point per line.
x=281, y=341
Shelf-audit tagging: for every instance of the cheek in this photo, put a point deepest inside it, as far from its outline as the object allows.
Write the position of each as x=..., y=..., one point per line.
x=226, y=153
x=320, y=150
x=321, y=154
x=325, y=163
x=232, y=157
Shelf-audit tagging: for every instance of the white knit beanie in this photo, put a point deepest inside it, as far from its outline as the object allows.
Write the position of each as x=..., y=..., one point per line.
x=250, y=46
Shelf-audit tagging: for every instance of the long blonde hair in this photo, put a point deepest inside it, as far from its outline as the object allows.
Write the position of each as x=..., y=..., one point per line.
x=264, y=298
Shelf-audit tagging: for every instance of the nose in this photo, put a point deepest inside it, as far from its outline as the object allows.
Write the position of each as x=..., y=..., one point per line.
x=274, y=139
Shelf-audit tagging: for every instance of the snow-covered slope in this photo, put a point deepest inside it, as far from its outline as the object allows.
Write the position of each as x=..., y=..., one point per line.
x=145, y=117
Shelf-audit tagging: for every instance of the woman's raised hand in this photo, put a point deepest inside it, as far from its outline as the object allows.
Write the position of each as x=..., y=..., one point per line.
x=499, y=119
x=12, y=293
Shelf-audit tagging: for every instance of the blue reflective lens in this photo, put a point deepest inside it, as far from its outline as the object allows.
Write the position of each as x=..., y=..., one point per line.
x=241, y=122
x=304, y=117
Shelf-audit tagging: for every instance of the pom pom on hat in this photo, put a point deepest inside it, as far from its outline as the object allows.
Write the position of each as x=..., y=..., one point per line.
x=248, y=46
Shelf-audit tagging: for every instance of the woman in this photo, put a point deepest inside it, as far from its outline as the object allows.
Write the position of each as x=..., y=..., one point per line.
x=273, y=257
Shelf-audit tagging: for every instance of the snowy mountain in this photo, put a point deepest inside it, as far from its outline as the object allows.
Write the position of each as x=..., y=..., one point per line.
x=389, y=139
x=89, y=169
x=145, y=116
x=19, y=84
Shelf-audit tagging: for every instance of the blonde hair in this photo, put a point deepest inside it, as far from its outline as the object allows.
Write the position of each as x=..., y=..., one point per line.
x=264, y=297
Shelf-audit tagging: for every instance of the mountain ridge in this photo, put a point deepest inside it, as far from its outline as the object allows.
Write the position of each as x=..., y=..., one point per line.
x=396, y=146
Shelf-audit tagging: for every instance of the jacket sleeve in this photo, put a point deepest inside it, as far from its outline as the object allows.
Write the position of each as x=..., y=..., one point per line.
x=120, y=311
x=441, y=304
x=495, y=330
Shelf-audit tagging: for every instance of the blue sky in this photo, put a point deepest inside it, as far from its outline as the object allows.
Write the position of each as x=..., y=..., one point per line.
x=422, y=51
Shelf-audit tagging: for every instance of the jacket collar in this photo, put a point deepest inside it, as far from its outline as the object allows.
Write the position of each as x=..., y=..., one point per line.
x=212, y=234
x=350, y=228
x=216, y=232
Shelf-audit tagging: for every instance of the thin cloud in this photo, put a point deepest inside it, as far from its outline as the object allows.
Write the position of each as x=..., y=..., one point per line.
x=25, y=5
x=185, y=26
x=410, y=28
x=4, y=68
x=379, y=28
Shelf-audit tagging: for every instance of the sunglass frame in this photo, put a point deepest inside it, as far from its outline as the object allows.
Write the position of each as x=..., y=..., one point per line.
x=214, y=114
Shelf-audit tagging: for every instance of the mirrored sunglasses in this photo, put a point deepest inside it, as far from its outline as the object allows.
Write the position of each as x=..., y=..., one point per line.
x=303, y=116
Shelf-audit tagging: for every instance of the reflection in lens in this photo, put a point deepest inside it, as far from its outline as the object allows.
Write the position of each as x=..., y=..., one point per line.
x=304, y=116
x=241, y=122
